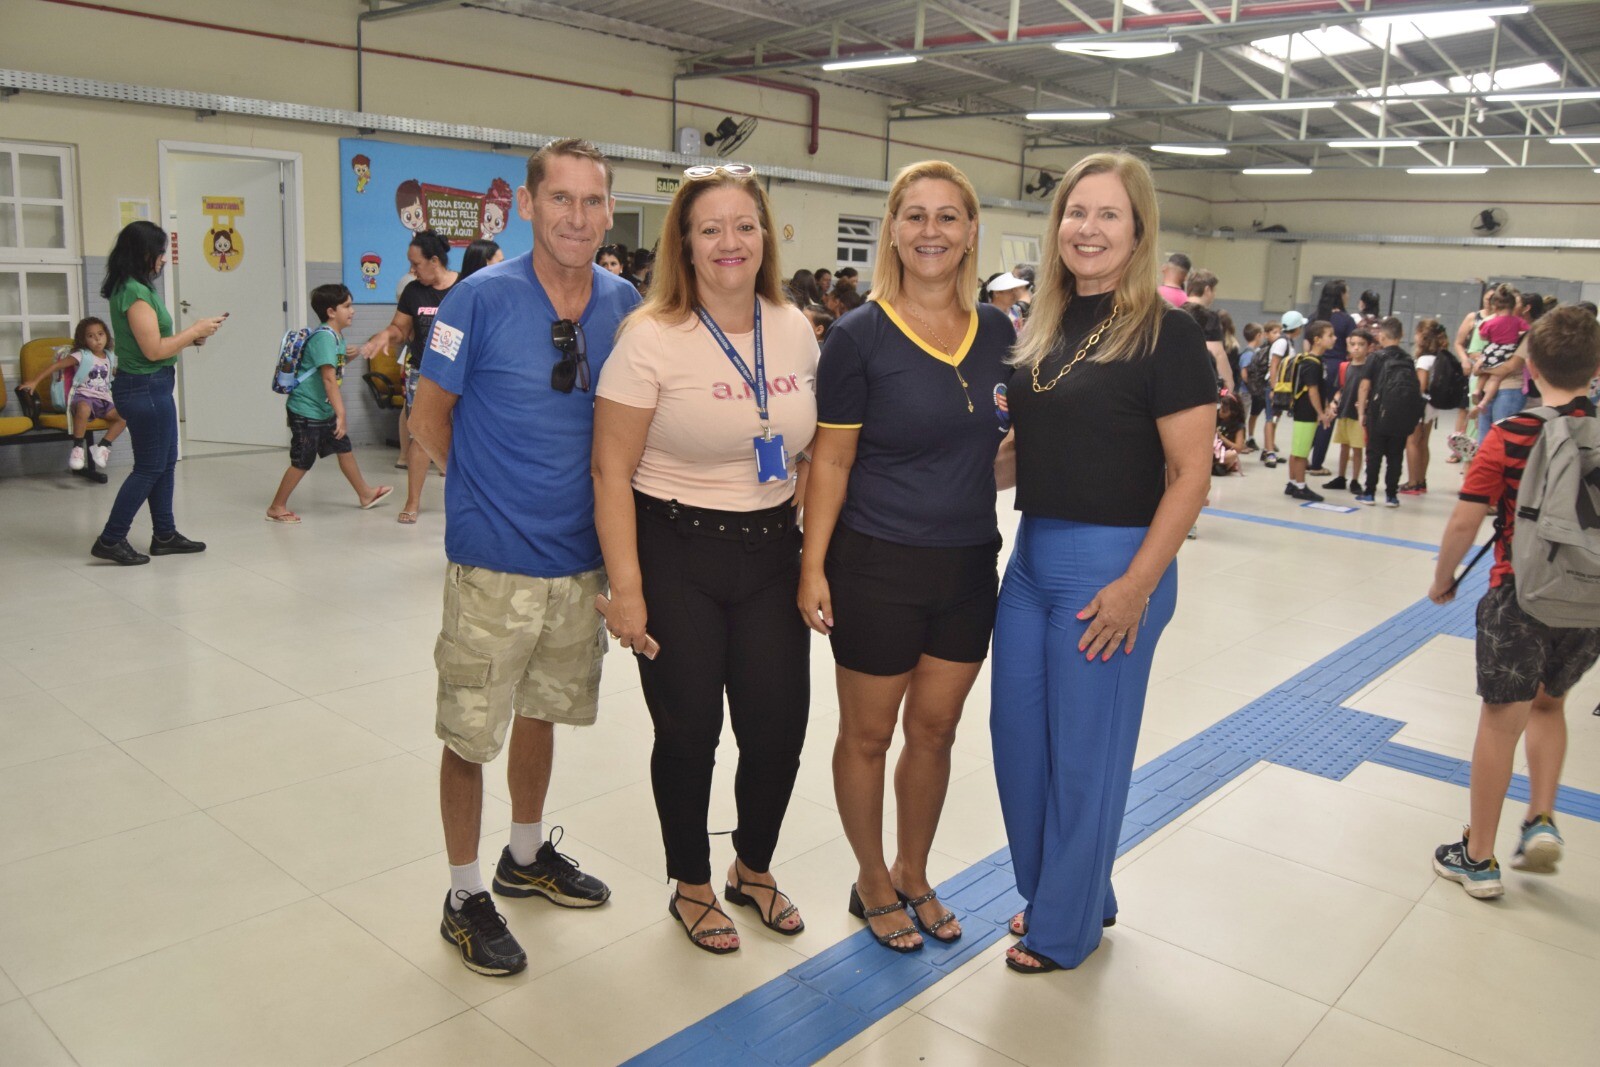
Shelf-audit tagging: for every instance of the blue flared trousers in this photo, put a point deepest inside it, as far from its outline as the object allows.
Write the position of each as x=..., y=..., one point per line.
x=1064, y=728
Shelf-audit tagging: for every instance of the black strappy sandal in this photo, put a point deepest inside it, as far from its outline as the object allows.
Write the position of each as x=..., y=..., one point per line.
x=1012, y=925
x=1046, y=964
x=930, y=929
x=735, y=894
x=864, y=913
x=695, y=939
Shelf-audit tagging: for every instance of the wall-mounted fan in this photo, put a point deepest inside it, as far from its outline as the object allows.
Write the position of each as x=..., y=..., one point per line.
x=1489, y=221
x=1044, y=186
x=729, y=135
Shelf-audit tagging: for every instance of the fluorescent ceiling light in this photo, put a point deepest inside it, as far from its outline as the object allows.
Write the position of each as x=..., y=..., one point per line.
x=1547, y=94
x=1592, y=139
x=1525, y=76
x=1447, y=170
x=1284, y=105
x=858, y=64
x=1119, y=49
x=1189, y=149
x=1375, y=142
x=1068, y=116
x=1275, y=170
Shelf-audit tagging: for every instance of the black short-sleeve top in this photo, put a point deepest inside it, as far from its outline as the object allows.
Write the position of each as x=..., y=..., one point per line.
x=1088, y=450
x=924, y=466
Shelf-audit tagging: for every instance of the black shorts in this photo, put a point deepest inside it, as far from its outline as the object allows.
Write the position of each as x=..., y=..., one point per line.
x=310, y=438
x=1517, y=653
x=894, y=603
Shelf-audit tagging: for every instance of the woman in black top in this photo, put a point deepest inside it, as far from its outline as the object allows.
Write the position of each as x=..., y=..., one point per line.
x=429, y=255
x=1113, y=406
x=900, y=533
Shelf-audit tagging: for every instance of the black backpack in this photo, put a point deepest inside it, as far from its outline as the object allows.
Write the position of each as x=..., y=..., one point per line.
x=1447, y=383
x=1398, y=402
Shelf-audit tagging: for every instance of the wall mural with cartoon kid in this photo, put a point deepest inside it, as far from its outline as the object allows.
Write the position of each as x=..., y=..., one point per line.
x=461, y=195
x=224, y=247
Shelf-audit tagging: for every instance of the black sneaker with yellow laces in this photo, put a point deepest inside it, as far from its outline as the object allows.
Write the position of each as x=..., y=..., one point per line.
x=480, y=932
x=551, y=875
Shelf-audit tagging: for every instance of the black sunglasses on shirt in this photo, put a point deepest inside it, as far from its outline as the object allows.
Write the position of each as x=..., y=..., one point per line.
x=573, y=367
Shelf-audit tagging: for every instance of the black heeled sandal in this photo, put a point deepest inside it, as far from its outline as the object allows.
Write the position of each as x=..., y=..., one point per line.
x=1046, y=964
x=689, y=931
x=735, y=894
x=930, y=929
x=865, y=914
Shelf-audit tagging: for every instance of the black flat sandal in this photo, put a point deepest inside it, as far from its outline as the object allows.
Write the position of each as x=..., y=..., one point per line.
x=735, y=894
x=695, y=939
x=930, y=929
x=864, y=913
x=1105, y=924
x=1046, y=964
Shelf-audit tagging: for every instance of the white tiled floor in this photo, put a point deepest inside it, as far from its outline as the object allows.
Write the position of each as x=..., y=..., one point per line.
x=219, y=834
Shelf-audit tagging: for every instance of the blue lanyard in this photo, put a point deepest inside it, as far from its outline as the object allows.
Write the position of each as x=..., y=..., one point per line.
x=758, y=381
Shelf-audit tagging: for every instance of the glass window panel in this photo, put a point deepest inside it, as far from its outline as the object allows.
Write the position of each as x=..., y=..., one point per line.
x=47, y=294
x=5, y=175
x=39, y=175
x=8, y=225
x=43, y=226
x=49, y=328
x=10, y=344
x=10, y=294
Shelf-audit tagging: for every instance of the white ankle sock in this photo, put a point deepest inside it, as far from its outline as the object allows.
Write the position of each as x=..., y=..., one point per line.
x=467, y=879
x=526, y=837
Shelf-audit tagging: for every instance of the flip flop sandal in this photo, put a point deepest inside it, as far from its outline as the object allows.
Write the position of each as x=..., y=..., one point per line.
x=1019, y=927
x=288, y=518
x=406, y=518
x=864, y=913
x=697, y=939
x=1046, y=964
x=931, y=929
x=383, y=494
x=735, y=894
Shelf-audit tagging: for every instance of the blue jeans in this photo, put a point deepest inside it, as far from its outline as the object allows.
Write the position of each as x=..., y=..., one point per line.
x=1507, y=402
x=145, y=400
x=1064, y=729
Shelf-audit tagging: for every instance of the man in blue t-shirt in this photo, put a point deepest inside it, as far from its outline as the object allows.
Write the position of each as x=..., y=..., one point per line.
x=504, y=403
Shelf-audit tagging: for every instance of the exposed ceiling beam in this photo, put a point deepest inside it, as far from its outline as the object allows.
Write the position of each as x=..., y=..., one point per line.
x=566, y=15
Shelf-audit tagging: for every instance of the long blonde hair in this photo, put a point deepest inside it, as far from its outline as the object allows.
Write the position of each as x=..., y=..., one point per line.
x=673, y=293
x=888, y=272
x=1136, y=329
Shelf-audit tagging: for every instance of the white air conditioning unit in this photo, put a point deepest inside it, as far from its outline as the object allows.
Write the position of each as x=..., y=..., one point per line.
x=690, y=142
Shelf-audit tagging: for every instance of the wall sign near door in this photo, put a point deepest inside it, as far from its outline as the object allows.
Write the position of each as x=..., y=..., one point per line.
x=224, y=247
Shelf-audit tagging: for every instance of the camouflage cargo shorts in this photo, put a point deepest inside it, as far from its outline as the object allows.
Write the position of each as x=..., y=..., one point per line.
x=515, y=644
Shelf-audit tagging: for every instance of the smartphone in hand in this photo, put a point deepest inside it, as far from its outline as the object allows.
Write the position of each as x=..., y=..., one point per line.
x=649, y=650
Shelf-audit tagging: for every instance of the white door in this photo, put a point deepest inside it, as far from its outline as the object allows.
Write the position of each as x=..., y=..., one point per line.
x=232, y=256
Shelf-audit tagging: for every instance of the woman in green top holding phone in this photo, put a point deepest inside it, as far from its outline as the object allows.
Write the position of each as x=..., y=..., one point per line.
x=146, y=350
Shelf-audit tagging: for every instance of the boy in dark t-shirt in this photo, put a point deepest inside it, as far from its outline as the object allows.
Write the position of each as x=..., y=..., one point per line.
x=1305, y=383
x=1525, y=668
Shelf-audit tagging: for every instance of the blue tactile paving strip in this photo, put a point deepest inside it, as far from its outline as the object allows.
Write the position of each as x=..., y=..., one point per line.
x=808, y=1012
x=1569, y=801
x=1307, y=527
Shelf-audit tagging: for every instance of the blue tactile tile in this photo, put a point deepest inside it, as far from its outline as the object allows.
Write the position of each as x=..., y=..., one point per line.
x=1328, y=531
x=1337, y=744
x=1569, y=800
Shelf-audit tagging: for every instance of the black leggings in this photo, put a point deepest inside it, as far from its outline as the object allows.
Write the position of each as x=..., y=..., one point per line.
x=724, y=613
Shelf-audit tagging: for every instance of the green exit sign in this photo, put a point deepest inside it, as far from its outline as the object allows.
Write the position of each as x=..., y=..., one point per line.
x=668, y=185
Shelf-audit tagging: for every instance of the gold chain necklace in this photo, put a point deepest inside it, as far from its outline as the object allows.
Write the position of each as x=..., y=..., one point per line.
x=949, y=354
x=1094, y=339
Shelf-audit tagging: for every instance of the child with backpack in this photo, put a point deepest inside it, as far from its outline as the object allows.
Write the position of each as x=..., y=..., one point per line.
x=1390, y=402
x=315, y=407
x=1279, y=351
x=1539, y=622
x=1303, y=374
x=1347, y=431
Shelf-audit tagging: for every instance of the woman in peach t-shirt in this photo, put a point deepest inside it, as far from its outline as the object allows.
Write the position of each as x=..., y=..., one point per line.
x=695, y=493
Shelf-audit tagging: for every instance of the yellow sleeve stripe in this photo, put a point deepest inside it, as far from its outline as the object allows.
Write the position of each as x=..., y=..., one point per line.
x=839, y=425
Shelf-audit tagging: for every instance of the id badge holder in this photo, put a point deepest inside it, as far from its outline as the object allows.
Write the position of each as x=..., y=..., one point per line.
x=772, y=459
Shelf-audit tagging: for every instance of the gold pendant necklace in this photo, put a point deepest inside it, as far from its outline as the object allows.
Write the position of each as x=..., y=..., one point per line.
x=949, y=354
x=1093, y=340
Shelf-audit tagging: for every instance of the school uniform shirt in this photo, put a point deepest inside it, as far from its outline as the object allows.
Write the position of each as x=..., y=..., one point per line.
x=700, y=449
x=323, y=348
x=1354, y=374
x=1496, y=475
x=1088, y=449
x=924, y=466
x=1307, y=376
x=421, y=302
x=519, y=498
x=1375, y=365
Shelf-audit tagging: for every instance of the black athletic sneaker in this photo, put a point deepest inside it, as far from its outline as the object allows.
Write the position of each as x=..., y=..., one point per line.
x=479, y=931
x=121, y=552
x=1355, y=487
x=175, y=545
x=551, y=875
x=1305, y=492
x=1337, y=483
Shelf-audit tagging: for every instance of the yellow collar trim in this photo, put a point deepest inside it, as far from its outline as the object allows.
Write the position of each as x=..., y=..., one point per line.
x=960, y=353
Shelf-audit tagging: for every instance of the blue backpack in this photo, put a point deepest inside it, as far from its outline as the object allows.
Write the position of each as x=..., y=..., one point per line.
x=287, y=376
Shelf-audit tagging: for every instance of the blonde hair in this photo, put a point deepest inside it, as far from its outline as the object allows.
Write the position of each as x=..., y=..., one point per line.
x=1135, y=332
x=673, y=293
x=887, y=271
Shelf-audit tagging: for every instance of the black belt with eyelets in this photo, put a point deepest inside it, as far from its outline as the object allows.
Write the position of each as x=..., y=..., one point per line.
x=751, y=527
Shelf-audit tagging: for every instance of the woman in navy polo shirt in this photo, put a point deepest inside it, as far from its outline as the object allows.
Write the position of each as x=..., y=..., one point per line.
x=900, y=534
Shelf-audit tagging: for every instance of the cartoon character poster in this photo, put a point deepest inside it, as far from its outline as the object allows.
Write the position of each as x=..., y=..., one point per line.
x=224, y=248
x=390, y=192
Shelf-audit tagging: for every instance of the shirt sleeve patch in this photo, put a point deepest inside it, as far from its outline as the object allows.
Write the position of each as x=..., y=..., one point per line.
x=446, y=340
